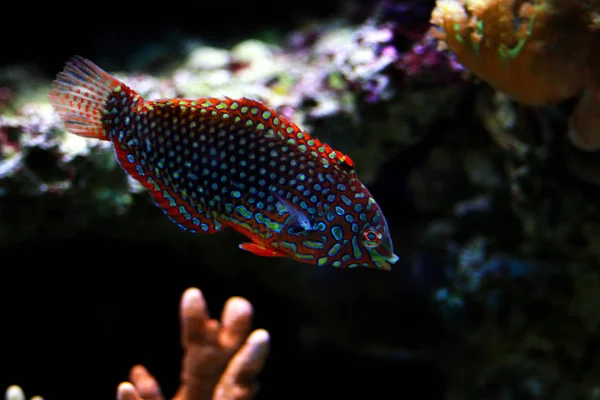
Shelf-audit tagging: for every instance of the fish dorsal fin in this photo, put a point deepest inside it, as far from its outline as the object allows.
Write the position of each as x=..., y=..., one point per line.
x=253, y=113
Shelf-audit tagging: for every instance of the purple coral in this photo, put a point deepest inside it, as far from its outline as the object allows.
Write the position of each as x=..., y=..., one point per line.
x=424, y=56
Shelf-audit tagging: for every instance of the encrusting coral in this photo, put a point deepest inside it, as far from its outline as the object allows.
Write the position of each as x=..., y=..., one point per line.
x=221, y=358
x=538, y=52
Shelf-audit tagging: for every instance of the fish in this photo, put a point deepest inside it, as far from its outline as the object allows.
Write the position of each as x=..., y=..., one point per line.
x=213, y=163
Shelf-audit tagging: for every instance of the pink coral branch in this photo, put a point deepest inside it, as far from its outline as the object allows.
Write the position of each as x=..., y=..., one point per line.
x=221, y=360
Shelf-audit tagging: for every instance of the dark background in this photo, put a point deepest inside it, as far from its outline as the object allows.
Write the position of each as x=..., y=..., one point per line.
x=49, y=33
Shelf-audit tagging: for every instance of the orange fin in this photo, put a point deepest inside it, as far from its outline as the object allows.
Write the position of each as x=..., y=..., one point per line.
x=79, y=95
x=260, y=249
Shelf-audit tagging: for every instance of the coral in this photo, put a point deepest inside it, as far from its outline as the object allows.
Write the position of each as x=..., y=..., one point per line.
x=537, y=52
x=423, y=56
x=411, y=39
x=221, y=361
x=524, y=48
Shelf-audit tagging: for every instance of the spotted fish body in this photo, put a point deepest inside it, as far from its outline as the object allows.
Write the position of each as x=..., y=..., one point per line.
x=212, y=163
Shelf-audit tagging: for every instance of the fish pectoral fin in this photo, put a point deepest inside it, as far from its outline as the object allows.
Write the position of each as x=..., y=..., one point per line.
x=261, y=249
x=298, y=222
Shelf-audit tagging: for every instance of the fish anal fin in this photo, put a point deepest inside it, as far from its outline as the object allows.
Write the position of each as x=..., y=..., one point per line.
x=174, y=204
x=260, y=249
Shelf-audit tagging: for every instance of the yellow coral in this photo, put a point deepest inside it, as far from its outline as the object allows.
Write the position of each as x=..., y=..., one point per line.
x=535, y=51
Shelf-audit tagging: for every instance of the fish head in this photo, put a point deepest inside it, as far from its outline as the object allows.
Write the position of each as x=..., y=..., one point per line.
x=375, y=240
x=359, y=237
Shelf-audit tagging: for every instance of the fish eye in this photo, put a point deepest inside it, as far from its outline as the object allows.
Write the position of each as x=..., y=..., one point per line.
x=372, y=238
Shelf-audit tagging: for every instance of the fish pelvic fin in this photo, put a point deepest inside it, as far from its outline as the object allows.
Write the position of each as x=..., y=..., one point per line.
x=80, y=94
x=261, y=249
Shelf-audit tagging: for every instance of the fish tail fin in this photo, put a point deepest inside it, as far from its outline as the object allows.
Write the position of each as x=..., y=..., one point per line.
x=79, y=95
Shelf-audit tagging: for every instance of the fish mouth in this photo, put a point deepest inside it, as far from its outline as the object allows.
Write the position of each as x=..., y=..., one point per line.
x=384, y=262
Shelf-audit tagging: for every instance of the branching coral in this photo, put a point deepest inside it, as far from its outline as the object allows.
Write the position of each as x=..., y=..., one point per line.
x=221, y=361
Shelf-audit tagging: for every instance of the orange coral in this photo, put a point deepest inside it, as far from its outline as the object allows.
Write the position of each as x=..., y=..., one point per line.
x=534, y=51
x=221, y=361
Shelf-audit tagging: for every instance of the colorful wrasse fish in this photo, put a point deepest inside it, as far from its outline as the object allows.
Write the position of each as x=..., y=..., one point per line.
x=211, y=163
